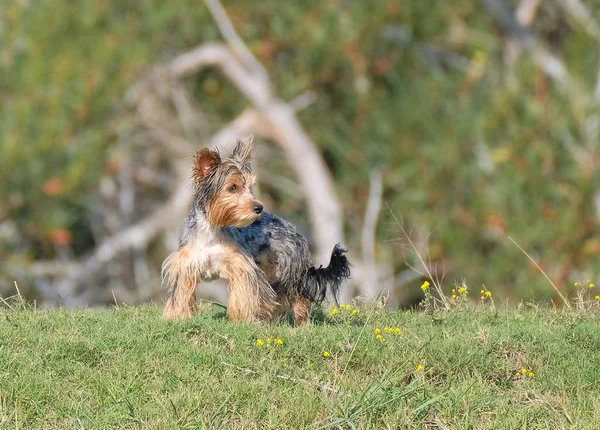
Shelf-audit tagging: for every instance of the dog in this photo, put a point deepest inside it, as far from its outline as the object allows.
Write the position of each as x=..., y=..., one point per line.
x=264, y=259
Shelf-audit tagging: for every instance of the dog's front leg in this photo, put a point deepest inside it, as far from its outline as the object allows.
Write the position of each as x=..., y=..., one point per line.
x=180, y=276
x=251, y=298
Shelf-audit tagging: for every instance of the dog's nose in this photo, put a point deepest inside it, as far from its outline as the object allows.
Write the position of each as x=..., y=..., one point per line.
x=258, y=209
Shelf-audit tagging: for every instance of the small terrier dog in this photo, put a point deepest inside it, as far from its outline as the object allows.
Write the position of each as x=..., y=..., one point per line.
x=264, y=258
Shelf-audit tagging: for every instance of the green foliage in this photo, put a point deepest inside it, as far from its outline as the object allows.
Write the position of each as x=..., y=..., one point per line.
x=471, y=367
x=471, y=148
x=64, y=70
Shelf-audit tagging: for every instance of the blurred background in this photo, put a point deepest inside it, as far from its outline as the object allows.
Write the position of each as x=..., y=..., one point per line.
x=462, y=122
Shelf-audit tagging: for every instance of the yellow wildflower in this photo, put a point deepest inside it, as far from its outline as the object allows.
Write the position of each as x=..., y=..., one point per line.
x=523, y=371
x=482, y=298
x=348, y=307
x=454, y=296
x=591, y=285
x=377, y=331
x=482, y=291
x=379, y=337
x=269, y=340
x=462, y=290
x=488, y=294
x=420, y=368
x=334, y=312
x=326, y=354
x=398, y=331
x=278, y=341
x=355, y=311
x=341, y=306
x=517, y=374
x=454, y=290
x=425, y=285
x=531, y=374
x=598, y=297
x=259, y=342
x=576, y=284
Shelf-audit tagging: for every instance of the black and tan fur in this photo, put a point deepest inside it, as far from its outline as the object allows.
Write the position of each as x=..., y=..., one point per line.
x=264, y=258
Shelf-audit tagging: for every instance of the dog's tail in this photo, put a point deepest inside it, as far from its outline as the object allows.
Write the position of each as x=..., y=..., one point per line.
x=318, y=282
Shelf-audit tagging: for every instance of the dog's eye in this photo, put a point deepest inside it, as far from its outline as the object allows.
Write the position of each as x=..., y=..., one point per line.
x=233, y=188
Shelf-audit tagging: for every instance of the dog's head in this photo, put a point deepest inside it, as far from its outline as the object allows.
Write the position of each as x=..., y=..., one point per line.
x=224, y=186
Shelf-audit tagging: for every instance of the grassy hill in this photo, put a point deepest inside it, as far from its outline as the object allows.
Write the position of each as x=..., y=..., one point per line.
x=470, y=367
x=471, y=144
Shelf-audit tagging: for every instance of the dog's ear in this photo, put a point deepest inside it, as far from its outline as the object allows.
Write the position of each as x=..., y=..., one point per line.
x=205, y=161
x=243, y=150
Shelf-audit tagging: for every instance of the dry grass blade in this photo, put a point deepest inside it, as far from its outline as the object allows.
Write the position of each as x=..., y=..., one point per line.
x=6, y=303
x=18, y=291
x=564, y=299
x=284, y=377
x=435, y=279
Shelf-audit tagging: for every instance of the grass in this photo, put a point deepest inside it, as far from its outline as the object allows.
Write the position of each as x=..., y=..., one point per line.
x=462, y=368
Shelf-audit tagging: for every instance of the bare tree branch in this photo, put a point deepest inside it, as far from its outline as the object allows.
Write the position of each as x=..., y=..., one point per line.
x=282, y=184
x=233, y=39
x=579, y=13
x=526, y=11
x=153, y=116
x=217, y=55
x=548, y=62
x=371, y=215
x=525, y=14
x=248, y=122
x=369, y=279
x=303, y=101
x=193, y=122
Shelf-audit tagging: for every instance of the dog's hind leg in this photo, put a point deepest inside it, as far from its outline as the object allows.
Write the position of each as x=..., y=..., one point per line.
x=281, y=308
x=301, y=309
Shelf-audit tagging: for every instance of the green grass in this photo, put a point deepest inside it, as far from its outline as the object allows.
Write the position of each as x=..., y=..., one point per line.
x=125, y=368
